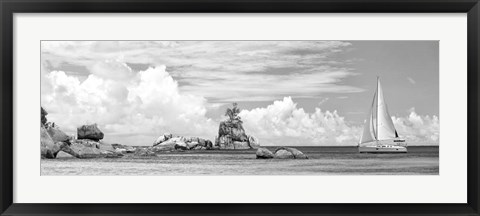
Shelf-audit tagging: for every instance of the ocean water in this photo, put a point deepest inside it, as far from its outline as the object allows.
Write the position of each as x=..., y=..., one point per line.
x=420, y=160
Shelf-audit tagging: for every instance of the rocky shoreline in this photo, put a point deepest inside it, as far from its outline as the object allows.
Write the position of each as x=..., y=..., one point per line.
x=280, y=153
x=88, y=142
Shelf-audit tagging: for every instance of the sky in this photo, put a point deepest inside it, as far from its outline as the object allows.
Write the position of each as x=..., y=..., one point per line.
x=293, y=93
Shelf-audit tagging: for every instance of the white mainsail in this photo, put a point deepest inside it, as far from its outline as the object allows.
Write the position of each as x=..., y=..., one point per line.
x=385, y=128
x=379, y=124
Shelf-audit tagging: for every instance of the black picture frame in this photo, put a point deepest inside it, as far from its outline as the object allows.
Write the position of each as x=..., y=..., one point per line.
x=9, y=7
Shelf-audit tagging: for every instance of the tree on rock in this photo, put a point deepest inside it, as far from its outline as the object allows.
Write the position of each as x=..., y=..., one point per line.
x=44, y=116
x=233, y=113
x=231, y=134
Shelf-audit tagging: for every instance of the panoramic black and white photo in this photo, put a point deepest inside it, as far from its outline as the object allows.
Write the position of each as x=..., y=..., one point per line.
x=169, y=108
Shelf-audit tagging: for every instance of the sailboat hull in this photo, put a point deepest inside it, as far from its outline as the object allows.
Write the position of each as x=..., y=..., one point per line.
x=382, y=149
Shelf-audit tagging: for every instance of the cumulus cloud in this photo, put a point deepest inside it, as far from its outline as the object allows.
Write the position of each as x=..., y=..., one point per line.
x=145, y=104
x=104, y=69
x=417, y=129
x=283, y=123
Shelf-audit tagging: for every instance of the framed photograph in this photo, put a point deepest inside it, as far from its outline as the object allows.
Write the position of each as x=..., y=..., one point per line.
x=246, y=108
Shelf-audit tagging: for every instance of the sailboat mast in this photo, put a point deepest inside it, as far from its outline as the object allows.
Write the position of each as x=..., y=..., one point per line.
x=376, y=113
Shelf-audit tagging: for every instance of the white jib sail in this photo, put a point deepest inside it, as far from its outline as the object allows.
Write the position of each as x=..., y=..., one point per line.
x=368, y=131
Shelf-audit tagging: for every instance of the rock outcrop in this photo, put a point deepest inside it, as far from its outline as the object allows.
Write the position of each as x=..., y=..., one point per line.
x=123, y=149
x=89, y=132
x=62, y=154
x=163, y=138
x=145, y=152
x=231, y=135
x=57, y=135
x=280, y=153
x=253, y=142
x=240, y=145
x=105, y=146
x=283, y=154
x=263, y=153
x=79, y=150
x=48, y=147
x=289, y=153
x=84, y=148
x=167, y=142
x=198, y=143
x=233, y=130
x=87, y=143
x=53, y=140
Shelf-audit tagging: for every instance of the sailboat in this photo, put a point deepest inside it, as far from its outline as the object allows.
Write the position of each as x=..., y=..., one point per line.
x=379, y=134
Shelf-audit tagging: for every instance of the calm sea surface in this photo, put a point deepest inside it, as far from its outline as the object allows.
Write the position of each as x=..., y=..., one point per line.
x=323, y=161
